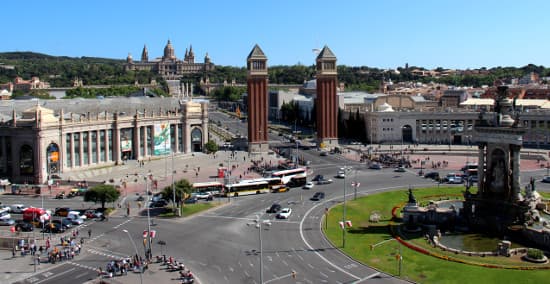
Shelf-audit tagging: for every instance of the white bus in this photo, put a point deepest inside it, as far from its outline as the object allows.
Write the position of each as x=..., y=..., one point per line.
x=212, y=187
x=286, y=175
x=246, y=188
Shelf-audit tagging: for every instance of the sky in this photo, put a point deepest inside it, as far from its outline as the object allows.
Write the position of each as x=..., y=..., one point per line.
x=457, y=34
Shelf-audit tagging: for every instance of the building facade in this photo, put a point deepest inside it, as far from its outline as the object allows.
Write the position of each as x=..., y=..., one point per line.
x=39, y=142
x=169, y=66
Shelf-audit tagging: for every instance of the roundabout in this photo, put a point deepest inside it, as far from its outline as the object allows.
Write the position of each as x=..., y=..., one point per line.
x=387, y=246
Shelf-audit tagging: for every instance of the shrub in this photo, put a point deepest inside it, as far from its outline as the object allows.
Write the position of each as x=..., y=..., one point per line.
x=535, y=253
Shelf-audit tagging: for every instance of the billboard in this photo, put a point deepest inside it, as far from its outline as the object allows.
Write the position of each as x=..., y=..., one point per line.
x=161, y=139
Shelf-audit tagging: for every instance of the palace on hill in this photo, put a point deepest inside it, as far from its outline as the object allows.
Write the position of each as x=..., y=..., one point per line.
x=169, y=66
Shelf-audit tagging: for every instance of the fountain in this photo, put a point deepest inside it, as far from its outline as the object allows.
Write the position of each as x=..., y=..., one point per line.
x=499, y=207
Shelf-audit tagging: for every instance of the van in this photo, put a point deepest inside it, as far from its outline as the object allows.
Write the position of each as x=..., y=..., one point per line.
x=34, y=214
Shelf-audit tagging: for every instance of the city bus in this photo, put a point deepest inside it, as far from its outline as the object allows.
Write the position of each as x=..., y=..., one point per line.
x=274, y=184
x=246, y=188
x=213, y=187
x=298, y=180
x=286, y=175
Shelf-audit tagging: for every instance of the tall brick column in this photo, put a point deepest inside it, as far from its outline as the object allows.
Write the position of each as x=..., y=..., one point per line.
x=257, y=101
x=326, y=101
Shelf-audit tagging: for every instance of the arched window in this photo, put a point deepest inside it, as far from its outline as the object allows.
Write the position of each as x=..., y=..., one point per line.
x=26, y=160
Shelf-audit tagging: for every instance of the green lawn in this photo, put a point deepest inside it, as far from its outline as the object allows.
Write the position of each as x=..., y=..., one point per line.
x=415, y=266
x=190, y=209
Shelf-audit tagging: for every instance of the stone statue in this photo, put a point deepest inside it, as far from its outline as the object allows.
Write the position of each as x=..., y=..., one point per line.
x=411, y=197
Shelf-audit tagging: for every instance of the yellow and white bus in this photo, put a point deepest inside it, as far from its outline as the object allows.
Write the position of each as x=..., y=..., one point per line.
x=246, y=188
x=286, y=175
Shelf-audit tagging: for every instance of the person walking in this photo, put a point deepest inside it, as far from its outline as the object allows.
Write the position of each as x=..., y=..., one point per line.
x=89, y=233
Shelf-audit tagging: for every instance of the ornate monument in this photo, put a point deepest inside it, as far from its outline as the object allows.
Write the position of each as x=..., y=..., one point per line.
x=500, y=206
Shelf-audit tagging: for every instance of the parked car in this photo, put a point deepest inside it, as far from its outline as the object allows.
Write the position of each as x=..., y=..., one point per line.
x=92, y=214
x=400, y=170
x=7, y=222
x=546, y=179
x=61, y=211
x=158, y=204
x=275, y=208
x=17, y=208
x=64, y=222
x=75, y=220
x=375, y=166
x=22, y=226
x=191, y=200
x=75, y=215
x=318, y=178
x=454, y=178
x=309, y=185
x=5, y=215
x=432, y=175
x=324, y=181
x=324, y=153
x=318, y=196
x=53, y=228
x=284, y=214
x=202, y=195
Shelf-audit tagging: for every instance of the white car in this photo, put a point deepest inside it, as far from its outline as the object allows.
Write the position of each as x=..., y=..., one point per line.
x=284, y=214
x=309, y=185
x=202, y=195
x=5, y=215
x=76, y=221
x=341, y=174
x=76, y=215
x=17, y=208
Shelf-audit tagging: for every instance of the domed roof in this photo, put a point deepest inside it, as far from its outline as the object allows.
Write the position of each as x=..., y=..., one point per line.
x=385, y=107
x=169, y=51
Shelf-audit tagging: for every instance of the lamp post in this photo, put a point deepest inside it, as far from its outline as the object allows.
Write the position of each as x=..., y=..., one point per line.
x=135, y=248
x=174, y=188
x=258, y=225
x=148, y=253
x=344, y=209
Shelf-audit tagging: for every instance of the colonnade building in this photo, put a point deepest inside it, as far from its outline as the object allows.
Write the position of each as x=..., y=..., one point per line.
x=39, y=139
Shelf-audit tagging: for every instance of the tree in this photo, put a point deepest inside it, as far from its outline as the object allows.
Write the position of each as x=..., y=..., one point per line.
x=211, y=146
x=102, y=193
x=182, y=188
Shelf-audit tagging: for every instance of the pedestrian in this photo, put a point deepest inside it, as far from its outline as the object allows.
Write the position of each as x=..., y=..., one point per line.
x=89, y=233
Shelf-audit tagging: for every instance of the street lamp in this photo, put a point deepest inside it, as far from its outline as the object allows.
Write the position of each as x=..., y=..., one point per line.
x=148, y=253
x=258, y=224
x=135, y=248
x=346, y=170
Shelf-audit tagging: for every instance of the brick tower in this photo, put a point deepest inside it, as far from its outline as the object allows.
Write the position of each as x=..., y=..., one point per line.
x=326, y=102
x=257, y=100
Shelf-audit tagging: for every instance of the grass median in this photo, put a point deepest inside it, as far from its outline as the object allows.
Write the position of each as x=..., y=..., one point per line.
x=371, y=243
x=189, y=209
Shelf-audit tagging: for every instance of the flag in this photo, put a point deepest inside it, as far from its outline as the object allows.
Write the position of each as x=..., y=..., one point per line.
x=348, y=224
x=341, y=224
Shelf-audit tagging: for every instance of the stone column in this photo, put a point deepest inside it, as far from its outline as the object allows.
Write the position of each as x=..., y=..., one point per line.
x=90, y=159
x=137, y=141
x=106, y=141
x=116, y=146
x=516, y=184
x=80, y=149
x=176, y=138
x=481, y=166
x=187, y=138
x=72, y=149
x=98, y=146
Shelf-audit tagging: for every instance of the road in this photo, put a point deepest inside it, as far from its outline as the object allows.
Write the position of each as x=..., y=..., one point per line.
x=223, y=245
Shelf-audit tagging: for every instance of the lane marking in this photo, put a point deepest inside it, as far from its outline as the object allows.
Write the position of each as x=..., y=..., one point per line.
x=57, y=275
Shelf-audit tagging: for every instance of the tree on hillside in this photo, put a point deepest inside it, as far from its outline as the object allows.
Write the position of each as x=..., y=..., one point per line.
x=102, y=193
x=182, y=188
